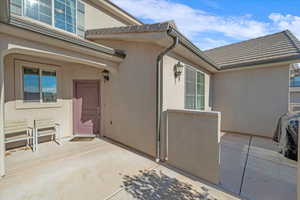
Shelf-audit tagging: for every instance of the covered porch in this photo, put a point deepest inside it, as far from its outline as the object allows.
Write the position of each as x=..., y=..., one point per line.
x=40, y=78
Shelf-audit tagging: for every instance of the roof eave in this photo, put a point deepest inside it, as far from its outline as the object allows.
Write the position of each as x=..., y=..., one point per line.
x=291, y=59
x=168, y=30
x=24, y=24
x=189, y=45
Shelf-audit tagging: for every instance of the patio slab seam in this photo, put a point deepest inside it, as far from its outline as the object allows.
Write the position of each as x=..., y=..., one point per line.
x=245, y=166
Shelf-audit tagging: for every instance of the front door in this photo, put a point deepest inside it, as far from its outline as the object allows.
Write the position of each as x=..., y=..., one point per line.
x=86, y=107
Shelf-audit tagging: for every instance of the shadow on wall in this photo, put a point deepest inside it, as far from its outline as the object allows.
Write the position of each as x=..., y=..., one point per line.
x=154, y=185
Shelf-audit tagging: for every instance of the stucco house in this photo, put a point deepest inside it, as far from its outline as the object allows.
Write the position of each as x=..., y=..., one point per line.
x=97, y=70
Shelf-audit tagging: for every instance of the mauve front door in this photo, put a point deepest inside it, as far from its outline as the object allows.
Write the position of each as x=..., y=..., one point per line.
x=86, y=107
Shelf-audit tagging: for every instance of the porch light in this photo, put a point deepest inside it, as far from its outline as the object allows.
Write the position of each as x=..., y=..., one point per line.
x=178, y=68
x=105, y=75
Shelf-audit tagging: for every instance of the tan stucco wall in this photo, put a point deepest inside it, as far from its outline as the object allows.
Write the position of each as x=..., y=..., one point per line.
x=251, y=100
x=131, y=103
x=63, y=113
x=96, y=17
x=174, y=88
x=192, y=142
x=130, y=97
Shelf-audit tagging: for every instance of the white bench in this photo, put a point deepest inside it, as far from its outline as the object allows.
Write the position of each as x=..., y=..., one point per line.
x=46, y=127
x=15, y=131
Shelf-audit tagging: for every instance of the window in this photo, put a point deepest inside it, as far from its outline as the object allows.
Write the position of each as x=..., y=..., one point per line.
x=194, y=89
x=40, y=10
x=31, y=84
x=16, y=7
x=80, y=18
x=39, y=85
x=295, y=81
x=49, y=86
x=67, y=15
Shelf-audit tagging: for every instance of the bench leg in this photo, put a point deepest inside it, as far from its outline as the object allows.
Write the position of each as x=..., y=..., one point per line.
x=28, y=139
x=57, y=135
x=33, y=139
x=36, y=139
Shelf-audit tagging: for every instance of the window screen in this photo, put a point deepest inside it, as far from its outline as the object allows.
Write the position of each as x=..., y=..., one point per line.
x=39, y=85
x=49, y=86
x=16, y=7
x=40, y=10
x=31, y=84
x=194, y=89
x=80, y=18
x=65, y=15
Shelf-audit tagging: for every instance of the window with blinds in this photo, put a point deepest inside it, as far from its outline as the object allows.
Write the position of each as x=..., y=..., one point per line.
x=68, y=15
x=16, y=7
x=40, y=10
x=194, y=89
x=80, y=19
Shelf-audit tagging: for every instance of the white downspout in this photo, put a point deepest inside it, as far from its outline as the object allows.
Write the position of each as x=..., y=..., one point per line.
x=159, y=92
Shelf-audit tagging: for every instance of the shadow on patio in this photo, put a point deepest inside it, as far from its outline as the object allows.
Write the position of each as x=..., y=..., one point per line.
x=154, y=185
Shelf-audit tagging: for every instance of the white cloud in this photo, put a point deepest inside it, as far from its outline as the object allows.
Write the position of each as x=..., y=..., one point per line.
x=192, y=21
x=284, y=22
x=209, y=43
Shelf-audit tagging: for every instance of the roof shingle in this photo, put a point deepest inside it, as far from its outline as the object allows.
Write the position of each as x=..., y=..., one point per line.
x=275, y=47
x=157, y=27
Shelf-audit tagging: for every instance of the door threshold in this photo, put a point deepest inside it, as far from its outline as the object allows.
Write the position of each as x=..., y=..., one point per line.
x=84, y=135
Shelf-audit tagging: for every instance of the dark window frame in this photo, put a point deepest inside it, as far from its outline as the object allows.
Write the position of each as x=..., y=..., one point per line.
x=40, y=85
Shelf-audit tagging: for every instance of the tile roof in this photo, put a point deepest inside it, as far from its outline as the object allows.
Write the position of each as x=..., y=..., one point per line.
x=271, y=48
x=158, y=27
x=276, y=47
x=168, y=26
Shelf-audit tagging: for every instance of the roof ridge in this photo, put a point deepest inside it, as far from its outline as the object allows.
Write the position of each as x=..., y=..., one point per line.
x=244, y=41
x=168, y=23
x=293, y=39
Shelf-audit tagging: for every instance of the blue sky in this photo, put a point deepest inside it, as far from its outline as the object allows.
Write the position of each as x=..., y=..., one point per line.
x=213, y=23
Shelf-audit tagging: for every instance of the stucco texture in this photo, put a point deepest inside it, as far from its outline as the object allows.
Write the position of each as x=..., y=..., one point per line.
x=174, y=88
x=96, y=17
x=192, y=142
x=130, y=97
x=251, y=100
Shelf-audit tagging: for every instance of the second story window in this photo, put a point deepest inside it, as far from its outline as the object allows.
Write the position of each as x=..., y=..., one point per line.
x=67, y=15
x=40, y=10
x=295, y=81
x=80, y=18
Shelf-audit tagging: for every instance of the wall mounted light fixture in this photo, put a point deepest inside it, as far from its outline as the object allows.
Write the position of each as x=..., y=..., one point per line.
x=105, y=75
x=178, y=68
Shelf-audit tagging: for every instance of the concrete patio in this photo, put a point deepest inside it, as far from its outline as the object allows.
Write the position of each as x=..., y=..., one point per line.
x=252, y=168
x=99, y=169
